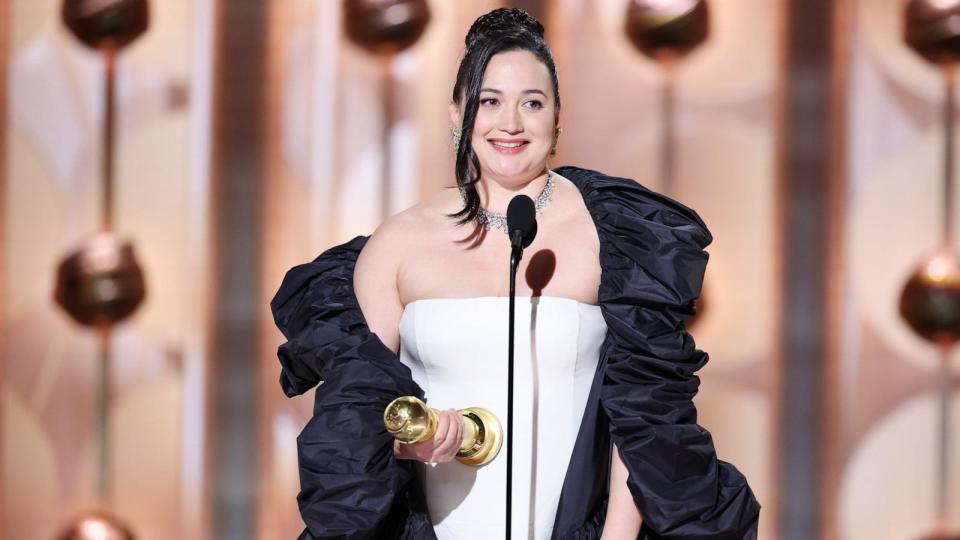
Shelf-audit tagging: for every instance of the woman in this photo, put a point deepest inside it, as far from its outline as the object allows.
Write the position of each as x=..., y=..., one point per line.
x=606, y=440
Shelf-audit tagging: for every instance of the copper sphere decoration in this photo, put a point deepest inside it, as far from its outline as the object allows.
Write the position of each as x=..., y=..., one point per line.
x=100, y=283
x=930, y=302
x=932, y=29
x=675, y=27
x=385, y=26
x=96, y=526
x=103, y=24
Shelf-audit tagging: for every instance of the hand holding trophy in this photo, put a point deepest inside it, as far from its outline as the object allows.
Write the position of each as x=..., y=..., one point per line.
x=411, y=421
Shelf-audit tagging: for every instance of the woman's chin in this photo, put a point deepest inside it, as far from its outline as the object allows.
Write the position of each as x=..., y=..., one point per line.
x=514, y=173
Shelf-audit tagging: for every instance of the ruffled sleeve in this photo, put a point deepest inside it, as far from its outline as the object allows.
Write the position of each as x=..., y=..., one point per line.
x=351, y=485
x=652, y=258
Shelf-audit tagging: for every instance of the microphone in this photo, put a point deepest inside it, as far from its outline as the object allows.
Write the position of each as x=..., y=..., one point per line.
x=522, y=227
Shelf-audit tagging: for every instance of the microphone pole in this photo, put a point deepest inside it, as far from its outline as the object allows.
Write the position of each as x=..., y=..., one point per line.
x=522, y=226
x=515, y=255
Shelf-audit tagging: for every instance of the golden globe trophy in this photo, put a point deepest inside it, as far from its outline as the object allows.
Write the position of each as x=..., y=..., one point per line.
x=411, y=421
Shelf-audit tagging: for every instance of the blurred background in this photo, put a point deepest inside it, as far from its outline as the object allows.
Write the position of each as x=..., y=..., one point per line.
x=140, y=378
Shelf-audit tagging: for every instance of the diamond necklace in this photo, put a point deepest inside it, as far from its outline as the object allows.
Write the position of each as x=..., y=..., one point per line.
x=492, y=220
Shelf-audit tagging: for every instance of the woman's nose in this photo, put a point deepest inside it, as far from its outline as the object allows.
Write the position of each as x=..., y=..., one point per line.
x=511, y=122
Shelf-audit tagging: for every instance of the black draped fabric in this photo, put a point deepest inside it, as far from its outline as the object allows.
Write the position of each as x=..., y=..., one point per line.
x=351, y=486
x=652, y=260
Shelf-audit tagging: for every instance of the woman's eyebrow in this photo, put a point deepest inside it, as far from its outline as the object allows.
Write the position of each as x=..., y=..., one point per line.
x=530, y=91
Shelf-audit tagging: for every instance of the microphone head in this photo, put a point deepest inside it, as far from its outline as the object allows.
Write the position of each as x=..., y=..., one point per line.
x=522, y=216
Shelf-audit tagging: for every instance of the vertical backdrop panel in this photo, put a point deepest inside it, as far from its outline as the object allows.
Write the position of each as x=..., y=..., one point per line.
x=51, y=204
x=884, y=376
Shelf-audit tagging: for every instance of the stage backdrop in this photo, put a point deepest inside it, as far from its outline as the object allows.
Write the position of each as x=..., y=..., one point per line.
x=323, y=185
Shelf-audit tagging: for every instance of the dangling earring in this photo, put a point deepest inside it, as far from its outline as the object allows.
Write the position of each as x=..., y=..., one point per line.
x=455, y=134
x=556, y=140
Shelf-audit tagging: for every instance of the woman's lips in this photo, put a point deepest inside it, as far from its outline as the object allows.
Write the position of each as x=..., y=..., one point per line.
x=509, y=147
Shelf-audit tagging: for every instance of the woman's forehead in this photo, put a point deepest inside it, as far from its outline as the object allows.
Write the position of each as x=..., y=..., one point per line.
x=519, y=69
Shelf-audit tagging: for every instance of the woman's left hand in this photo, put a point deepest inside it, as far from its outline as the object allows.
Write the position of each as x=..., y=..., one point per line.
x=442, y=447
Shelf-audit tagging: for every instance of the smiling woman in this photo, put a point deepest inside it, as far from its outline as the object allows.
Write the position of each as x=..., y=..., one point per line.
x=515, y=127
x=607, y=444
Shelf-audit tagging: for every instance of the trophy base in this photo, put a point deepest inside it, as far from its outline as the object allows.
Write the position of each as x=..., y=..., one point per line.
x=489, y=437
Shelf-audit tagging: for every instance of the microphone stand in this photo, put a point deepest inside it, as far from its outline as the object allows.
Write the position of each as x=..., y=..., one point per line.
x=516, y=252
x=522, y=228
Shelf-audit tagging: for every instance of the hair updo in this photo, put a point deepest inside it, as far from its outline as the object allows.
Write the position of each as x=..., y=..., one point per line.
x=501, y=30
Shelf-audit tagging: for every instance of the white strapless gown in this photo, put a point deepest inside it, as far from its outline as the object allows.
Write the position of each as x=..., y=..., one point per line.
x=456, y=350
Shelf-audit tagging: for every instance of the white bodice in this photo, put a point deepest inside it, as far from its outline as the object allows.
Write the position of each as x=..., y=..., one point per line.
x=456, y=349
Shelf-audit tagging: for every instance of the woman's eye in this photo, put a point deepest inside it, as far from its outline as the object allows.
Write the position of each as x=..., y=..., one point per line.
x=535, y=104
x=488, y=102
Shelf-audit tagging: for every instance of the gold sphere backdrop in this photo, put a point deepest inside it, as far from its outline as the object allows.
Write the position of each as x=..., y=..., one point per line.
x=102, y=24
x=932, y=29
x=96, y=526
x=100, y=283
x=385, y=26
x=930, y=302
x=675, y=27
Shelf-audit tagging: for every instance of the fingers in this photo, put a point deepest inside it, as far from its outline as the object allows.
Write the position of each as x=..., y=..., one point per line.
x=447, y=441
x=444, y=445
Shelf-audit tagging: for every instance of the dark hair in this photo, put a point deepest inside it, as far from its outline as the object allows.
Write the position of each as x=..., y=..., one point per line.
x=501, y=30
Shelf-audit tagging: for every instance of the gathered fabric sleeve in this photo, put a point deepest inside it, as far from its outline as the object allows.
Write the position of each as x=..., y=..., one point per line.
x=351, y=484
x=653, y=261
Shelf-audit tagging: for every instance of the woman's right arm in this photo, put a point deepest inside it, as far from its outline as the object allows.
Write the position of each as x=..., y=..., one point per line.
x=623, y=518
x=375, y=284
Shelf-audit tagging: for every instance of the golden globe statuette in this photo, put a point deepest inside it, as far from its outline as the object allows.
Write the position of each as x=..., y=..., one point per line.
x=411, y=421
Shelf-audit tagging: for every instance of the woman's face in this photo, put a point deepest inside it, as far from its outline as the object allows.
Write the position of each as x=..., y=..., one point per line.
x=516, y=119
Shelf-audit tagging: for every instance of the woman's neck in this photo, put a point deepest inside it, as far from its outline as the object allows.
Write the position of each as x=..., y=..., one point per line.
x=494, y=196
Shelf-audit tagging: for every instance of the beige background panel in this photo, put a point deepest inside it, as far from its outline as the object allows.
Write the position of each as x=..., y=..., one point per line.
x=29, y=472
x=880, y=23
x=888, y=488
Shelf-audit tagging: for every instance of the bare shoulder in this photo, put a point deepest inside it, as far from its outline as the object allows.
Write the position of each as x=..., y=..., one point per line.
x=405, y=231
x=383, y=247
x=377, y=270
